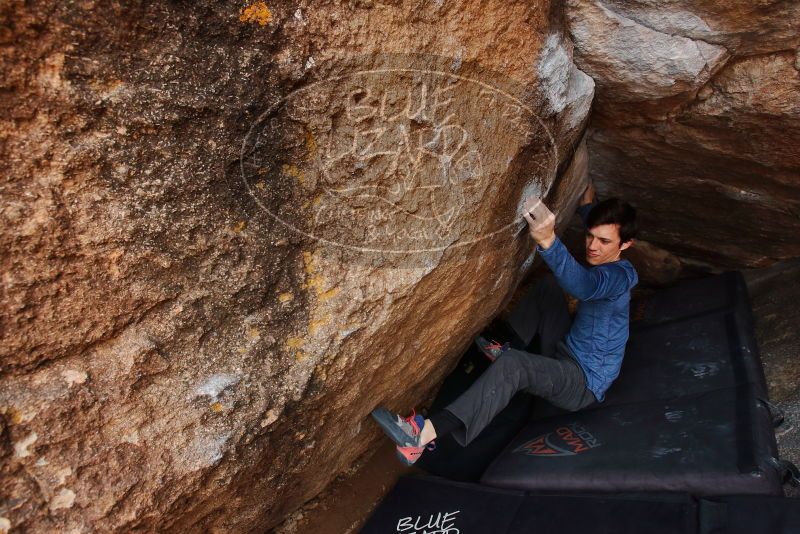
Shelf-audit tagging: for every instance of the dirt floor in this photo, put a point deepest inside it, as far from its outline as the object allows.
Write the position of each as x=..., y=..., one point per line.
x=348, y=501
x=774, y=293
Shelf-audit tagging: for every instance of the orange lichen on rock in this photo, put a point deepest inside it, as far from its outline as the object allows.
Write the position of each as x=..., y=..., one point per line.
x=314, y=281
x=295, y=342
x=314, y=326
x=258, y=12
x=327, y=295
x=311, y=142
x=14, y=415
x=294, y=172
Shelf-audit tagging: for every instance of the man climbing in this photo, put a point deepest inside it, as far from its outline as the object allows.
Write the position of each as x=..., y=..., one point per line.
x=579, y=359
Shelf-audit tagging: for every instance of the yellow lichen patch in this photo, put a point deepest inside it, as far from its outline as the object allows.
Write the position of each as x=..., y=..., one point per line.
x=285, y=297
x=253, y=333
x=217, y=407
x=14, y=415
x=311, y=142
x=261, y=185
x=295, y=342
x=315, y=325
x=258, y=13
x=293, y=172
x=317, y=200
x=315, y=282
x=300, y=356
x=263, y=171
x=308, y=262
x=310, y=268
x=241, y=350
x=327, y=295
x=239, y=228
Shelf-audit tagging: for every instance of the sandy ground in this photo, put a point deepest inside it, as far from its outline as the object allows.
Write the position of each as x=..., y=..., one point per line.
x=348, y=501
x=774, y=293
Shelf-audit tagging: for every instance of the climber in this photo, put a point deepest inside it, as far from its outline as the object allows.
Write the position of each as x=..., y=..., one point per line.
x=578, y=360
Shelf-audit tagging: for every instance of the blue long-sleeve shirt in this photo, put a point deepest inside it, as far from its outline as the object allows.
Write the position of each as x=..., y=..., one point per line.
x=600, y=330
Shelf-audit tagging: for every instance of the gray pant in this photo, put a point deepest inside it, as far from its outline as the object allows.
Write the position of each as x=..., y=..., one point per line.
x=558, y=379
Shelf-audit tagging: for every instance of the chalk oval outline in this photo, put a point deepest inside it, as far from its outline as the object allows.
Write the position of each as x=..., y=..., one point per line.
x=310, y=86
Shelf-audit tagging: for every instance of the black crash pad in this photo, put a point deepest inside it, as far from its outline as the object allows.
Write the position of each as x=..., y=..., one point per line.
x=418, y=505
x=714, y=443
x=724, y=292
x=749, y=514
x=428, y=505
x=617, y=514
x=707, y=352
x=690, y=342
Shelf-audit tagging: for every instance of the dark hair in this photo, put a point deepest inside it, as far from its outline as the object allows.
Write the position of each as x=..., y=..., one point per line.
x=614, y=211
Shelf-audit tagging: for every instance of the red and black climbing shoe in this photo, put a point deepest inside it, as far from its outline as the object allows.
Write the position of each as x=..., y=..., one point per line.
x=491, y=349
x=405, y=432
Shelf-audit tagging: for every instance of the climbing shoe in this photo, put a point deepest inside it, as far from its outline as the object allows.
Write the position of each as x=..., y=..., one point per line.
x=409, y=455
x=491, y=349
x=404, y=431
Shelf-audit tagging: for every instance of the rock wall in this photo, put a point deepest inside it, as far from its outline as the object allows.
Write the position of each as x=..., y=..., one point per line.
x=697, y=121
x=201, y=302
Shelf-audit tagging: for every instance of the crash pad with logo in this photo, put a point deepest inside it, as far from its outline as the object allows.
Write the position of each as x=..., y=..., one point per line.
x=712, y=443
x=687, y=413
x=433, y=505
x=429, y=505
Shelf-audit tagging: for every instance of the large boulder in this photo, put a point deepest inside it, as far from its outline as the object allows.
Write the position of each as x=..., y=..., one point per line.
x=697, y=122
x=231, y=231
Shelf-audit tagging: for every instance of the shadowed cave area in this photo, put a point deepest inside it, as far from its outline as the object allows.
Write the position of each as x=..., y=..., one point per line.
x=233, y=229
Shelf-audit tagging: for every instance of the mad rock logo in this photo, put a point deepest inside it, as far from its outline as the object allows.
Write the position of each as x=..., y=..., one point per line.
x=567, y=440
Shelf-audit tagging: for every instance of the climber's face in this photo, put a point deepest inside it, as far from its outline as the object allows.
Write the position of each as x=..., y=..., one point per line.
x=603, y=244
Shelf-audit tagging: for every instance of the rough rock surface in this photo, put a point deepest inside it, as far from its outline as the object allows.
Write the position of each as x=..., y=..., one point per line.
x=655, y=266
x=175, y=358
x=697, y=122
x=632, y=62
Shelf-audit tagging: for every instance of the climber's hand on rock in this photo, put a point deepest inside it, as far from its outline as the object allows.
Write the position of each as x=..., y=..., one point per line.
x=541, y=222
